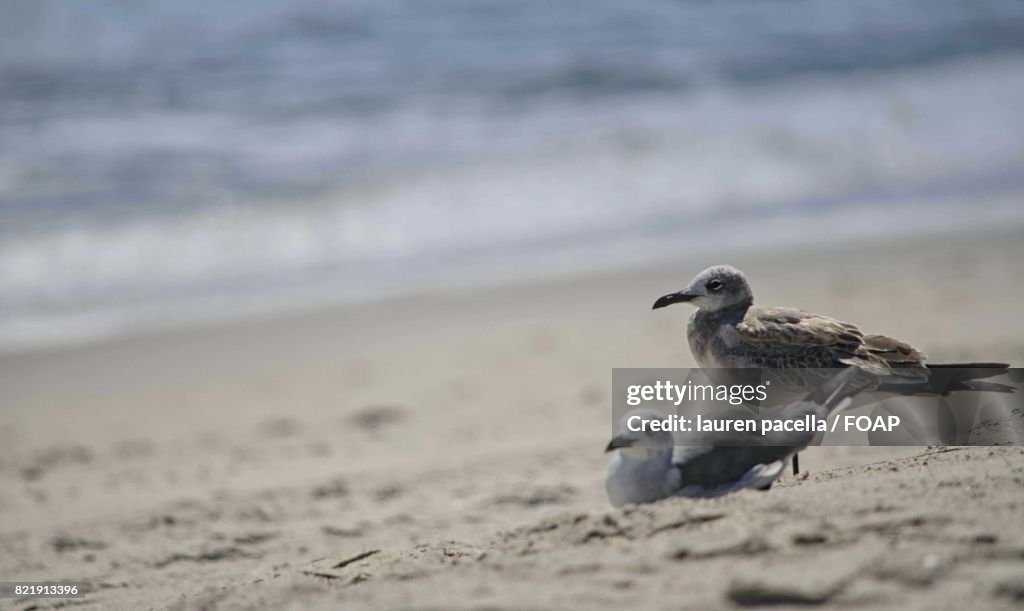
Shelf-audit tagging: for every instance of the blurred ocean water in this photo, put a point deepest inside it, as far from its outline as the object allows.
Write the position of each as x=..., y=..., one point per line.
x=168, y=161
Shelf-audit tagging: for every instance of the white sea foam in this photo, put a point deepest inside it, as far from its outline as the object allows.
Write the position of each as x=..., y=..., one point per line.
x=121, y=221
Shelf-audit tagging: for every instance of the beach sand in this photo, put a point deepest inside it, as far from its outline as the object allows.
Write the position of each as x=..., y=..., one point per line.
x=444, y=451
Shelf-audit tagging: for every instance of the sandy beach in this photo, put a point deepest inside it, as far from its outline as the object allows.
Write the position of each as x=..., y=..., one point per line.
x=444, y=451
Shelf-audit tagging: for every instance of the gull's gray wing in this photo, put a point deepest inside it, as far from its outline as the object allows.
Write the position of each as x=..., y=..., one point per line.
x=717, y=463
x=727, y=462
x=715, y=470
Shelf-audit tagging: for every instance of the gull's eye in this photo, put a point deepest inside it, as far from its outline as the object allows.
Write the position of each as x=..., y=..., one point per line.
x=714, y=285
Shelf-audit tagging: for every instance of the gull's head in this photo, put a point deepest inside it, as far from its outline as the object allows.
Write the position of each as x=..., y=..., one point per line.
x=636, y=438
x=716, y=288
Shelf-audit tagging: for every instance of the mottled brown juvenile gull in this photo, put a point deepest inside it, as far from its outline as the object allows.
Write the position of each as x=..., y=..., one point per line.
x=729, y=331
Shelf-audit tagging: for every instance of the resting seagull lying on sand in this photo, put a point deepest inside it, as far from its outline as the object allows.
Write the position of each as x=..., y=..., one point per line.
x=648, y=466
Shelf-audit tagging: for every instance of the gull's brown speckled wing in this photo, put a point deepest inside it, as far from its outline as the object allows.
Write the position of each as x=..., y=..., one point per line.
x=820, y=338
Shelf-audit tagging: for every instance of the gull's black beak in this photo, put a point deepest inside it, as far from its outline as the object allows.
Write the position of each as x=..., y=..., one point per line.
x=667, y=300
x=619, y=441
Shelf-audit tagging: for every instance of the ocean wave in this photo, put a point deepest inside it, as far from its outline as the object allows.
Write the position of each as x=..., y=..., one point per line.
x=140, y=186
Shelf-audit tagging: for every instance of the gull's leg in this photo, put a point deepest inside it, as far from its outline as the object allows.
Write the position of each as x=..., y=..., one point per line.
x=796, y=464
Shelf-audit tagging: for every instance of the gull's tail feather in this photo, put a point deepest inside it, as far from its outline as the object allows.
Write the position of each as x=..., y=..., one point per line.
x=1000, y=367
x=944, y=378
x=979, y=370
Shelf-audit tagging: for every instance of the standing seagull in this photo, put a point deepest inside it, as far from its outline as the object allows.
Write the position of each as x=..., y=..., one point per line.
x=729, y=331
x=648, y=466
